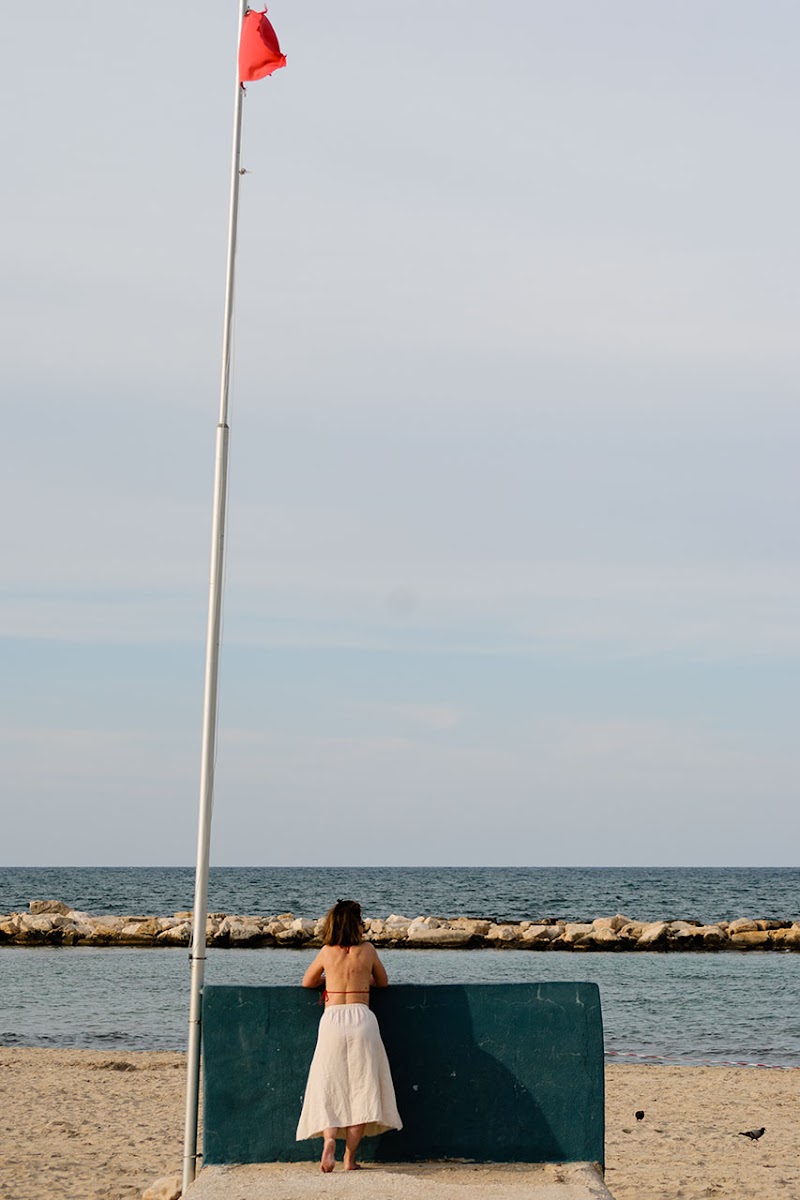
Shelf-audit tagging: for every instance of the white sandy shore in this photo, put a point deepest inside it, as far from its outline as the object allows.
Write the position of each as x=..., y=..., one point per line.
x=81, y=1125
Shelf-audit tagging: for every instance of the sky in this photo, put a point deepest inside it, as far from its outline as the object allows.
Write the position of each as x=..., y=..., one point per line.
x=512, y=571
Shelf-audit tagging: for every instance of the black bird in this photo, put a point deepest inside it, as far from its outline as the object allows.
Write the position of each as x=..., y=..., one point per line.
x=639, y=1114
x=753, y=1134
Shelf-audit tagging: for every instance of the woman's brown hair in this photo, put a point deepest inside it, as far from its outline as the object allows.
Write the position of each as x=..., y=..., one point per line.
x=343, y=925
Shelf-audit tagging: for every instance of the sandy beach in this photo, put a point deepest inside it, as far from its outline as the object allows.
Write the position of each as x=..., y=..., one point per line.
x=85, y=1125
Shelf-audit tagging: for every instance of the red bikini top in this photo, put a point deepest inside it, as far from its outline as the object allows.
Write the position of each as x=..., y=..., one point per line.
x=347, y=992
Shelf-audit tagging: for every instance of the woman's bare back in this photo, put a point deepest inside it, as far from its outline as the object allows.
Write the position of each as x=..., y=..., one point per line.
x=348, y=973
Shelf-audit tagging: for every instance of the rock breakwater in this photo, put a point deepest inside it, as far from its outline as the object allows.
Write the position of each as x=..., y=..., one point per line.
x=54, y=923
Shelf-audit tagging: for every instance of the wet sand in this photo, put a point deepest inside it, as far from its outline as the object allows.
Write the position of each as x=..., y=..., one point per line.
x=85, y=1125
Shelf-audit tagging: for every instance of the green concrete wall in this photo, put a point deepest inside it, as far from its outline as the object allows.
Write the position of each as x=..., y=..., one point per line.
x=490, y=1072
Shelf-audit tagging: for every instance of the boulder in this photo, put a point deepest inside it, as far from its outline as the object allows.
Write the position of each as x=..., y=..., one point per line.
x=303, y=925
x=108, y=921
x=101, y=934
x=74, y=924
x=476, y=927
x=273, y=926
x=684, y=936
x=380, y=935
x=306, y=931
x=752, y=939
x=168, y=1187
x=603, y=939
x=142, y=931
x=213, y=935
x=653, y=935
x=421, y=923
x=743, y=925
x=40, y=924
x=9, y=927
x=540, y=935
x=393, y=931
x=712, y=937
x=574, y=931
x=631, y=931
x=292, y=937
x=503, y=935
x=38, y=907
x=441, y=936
x=35, y=928
x=243, y=931
x=179, y=934
x=678, y=928
x=614, y=923
x=785, y=939
x=385, y=939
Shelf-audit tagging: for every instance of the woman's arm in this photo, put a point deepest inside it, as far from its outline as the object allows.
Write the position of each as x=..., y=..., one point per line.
x=378, y=977
x=314, y=973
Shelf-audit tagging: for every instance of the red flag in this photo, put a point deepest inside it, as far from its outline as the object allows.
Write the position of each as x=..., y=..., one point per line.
x=259, y=52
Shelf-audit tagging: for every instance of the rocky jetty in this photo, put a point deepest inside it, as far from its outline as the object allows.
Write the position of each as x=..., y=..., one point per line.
x=54, y=923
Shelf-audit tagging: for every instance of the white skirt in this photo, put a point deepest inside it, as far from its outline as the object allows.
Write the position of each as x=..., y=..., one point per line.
x=349, y=1081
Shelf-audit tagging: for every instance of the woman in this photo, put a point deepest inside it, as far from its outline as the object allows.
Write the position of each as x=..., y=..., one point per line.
x=349, y=1092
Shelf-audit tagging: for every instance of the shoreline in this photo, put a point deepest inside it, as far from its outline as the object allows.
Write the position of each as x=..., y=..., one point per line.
x=54, y=923
x=103, y=1125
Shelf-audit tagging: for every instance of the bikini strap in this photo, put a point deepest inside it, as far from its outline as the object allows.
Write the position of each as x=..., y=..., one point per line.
x=346, y=992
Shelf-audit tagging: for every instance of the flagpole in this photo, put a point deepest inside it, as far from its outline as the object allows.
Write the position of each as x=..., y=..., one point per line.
x=197, y=953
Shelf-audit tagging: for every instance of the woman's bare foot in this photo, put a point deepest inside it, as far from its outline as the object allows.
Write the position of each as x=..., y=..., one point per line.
x=328, y=1160
x=350, y=1163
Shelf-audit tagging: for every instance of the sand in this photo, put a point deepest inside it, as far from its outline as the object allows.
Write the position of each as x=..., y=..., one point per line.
x=80, y=1125
x=688, y=1145
x=85, y=1124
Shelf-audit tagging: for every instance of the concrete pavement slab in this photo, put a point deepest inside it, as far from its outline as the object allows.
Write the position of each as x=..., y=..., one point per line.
x=400, y=1181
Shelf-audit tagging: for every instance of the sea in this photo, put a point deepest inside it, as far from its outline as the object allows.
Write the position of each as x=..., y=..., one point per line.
x=689, y=1008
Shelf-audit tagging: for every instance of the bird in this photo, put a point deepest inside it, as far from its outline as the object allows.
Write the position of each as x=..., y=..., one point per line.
x=753, y=1134
x=639, y=1114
